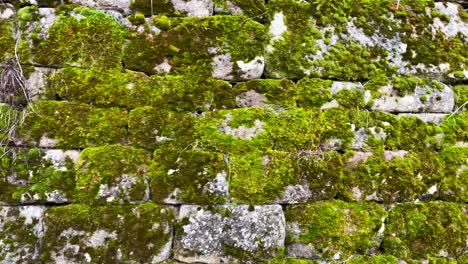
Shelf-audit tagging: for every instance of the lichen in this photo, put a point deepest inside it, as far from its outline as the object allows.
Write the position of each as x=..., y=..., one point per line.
x=426, y=230
x=278, y=93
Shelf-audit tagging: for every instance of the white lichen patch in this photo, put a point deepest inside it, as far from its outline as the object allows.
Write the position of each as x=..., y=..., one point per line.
x=222, y=67
x=277, y=27
x=252, y=69
x=218, y=185
x=6, y=13
x=59, y=157
x=454, y=26
x=46, y=142
x=164, y=67
x=242, y=132
x=197, y=8
x=251, y=99
x=120, y=190
x=100, y=238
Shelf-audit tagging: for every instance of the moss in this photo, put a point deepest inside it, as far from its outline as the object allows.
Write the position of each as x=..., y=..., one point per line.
x=75, y=125
x=411, y=133
x=28, y=13
x=313, y=92
x=399, y=179
x=192, y=171
x=150, y=127
x=454, y=128
x=425, y=229
x=278, y=93
x=9, y=119
x=137, y=19
x=96, y=39
x=290, y=260
x=119, y=169
x=455, y=182
x=461, y=95
x=253, y=9
x=336, y=227
x=187, y=54
x=27, y=176
x=377, y=259
x=130, y=230
x=7, y=41
x=407, y=85
x=148, y=7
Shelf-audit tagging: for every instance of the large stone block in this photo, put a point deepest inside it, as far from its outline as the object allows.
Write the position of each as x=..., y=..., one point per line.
x=224, y=47
x=21, y=234
x=108, y=234
x=424, y=230
x=334, y=230
x=37, y=176
x=359, y=40
x=228, y=233
x=73, y=125
x=112, y=174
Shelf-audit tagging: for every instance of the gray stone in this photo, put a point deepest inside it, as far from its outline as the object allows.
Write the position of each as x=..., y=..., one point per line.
x=209, y=236
x=21, y=232
x=251, y=99
x=424, y=99
x=427, y=117
x=37, y=82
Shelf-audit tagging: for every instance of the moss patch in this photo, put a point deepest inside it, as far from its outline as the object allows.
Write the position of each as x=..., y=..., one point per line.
x=426, y=229
x=81, y=36
x=239, y=37
x=112, y=174
x=75, y=125
x=126, y=232
x=254, y=9
x=455, y=182
x=27, y=176
x=335, y=227
x=7, y=41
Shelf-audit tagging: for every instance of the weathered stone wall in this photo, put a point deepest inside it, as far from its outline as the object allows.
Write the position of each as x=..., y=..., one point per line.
x=233, y=131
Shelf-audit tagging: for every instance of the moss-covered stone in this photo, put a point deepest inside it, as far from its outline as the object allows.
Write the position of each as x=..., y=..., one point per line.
x=358, y=40
x=173, y=7
x=455, y=181
x=21, y=232
x=454, y=128
x=377, y=259
x=426, y=230
x=108, y=234
x=150, y=127
x=333, y=229
x=226, y=47
x=80, y=36
x=461, y=96
x=36, y=176
x=74, y=125
x=188, y=175
x=112, y=174
x=393, y=177
x=266, y=92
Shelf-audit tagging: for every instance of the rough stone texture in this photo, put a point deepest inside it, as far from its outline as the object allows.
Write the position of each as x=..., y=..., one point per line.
x=427, y=117
x=37, y=82
x=197, y=8
x=424, y=99
x=21, y=233
x=229, y=232
x=110, y=234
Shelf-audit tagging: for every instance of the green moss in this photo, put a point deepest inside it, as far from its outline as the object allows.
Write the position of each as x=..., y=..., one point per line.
x=148, y=7
x=96, y=39
x=278, y=93
x=7, y=41
x=189, y=53
x=313, y=92
x=336, y=226
x=459, y=74
x=130, y=230
x=119, y=169
x=454, y=128
x=425, y=229
x=27, y=176
x=150, y=127
x=290, y=260
x=399, y=179
x=411, y=133
x=192, y=171
x=28, y=13
x=455, y=182
x=75, y=125
x=407, y=85
x=461, y=95
x=377, y=259
x=137, y=19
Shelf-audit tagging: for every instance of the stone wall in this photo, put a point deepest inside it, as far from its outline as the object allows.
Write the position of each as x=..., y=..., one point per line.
x=233, y=131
